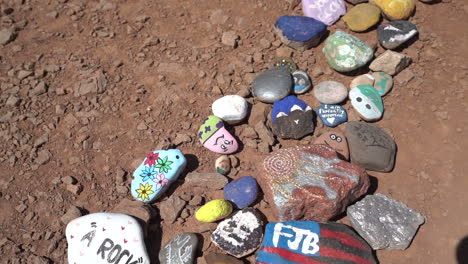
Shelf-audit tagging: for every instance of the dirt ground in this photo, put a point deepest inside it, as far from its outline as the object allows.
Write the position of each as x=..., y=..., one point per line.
x=125, y=77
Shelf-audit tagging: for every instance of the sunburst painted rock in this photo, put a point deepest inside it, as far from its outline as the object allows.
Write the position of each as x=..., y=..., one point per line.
x=396, y=9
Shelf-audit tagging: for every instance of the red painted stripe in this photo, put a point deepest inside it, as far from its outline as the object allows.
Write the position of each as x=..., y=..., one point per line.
x=344, y=238
x=334, y=253
x=291, y=256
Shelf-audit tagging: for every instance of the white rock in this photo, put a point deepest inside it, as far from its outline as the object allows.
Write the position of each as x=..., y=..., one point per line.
x=230, y=108
x=103, y=238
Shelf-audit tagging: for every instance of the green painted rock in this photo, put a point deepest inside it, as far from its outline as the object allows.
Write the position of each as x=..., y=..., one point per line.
x=213, y=211
x=345, y=52
x=383, y=82
x=362, y=17
x=367, y=102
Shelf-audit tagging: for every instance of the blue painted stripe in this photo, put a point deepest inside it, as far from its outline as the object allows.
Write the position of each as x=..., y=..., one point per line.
x=273, y=258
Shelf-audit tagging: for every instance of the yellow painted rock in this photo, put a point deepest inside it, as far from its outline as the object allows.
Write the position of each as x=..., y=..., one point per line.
x=396, y=9
x=213, y=211
x=362, y=17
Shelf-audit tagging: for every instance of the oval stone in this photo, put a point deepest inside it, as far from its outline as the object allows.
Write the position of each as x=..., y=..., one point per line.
x=223, y=165
x=330, y=92
x=213, y=211
x=302, y=82
x=393, y=34
x=272, y=85
x=332, y=115
x=367, y=102
x=362, y=17
x=396, y=9
x=242, y=192
x=230, y=108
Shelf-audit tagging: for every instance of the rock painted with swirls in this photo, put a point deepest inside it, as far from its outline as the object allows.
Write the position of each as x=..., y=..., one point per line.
x=310, y=183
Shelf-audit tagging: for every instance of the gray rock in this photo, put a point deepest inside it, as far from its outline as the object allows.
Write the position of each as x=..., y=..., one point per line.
x=170, y=209
x=180, y=250
x=370, y=146
x=272, y=85
x=40, y=88
x=43, y=157
x=384, y=223
x=13, y=101
x=214, y=181
x=72, y=213
x=390, y=62
x=6, y=36
x=330, y=92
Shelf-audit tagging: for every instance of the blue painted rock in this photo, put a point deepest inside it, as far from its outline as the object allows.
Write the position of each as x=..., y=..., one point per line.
x=180, y=250
x=154, y=175
x=242, y=192
x=272, y=85
x=299, y=32
x=393, y=34
x=345, y=52
x=309, y=242
x=332, y=115
x=240, y=234
x=326, y=11
x=292, y=118
x=302, y=82
x=214, y=136
x=310, y=183
x=103, y=238
x=367, y=102
x=285, y=62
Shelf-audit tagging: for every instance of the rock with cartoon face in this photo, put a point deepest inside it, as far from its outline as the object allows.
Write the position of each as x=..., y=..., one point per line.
x=367, y=102
x=158, y=170
x=302, y=82
x=292, y=118
x=336, y=140
x=214, y=136
x=332, y=115
x=326, y=11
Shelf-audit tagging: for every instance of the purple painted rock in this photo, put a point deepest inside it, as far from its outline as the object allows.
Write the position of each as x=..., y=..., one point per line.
x=310, y=183
x=326, y=11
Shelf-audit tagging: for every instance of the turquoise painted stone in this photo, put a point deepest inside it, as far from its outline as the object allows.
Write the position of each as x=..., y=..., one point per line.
x=154, y=175
x=345, y=52
x=367, y=102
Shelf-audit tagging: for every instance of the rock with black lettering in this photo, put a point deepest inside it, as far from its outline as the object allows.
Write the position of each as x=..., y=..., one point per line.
x=240, y=234
x=103, y=238
x=180, y=250
x=312, y=242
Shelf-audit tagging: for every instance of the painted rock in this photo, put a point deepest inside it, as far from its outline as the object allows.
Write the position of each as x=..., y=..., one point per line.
x=370, y=146
x=272, y=85
x=337, y=141
x=332, y=115
x=345, y=52
x=240, y=234
x=156, y=173
x=223, y=165
x=383, y=82
x=292, y=118
x=367, y=79
x=385, y=223
x=242, y=192
x=180, y=250
x=213, y=211
x=390, y=62
x=330, y=92
x=216, y=258
x=310, y=183
x=103, y=238
x=367, y=102
x=396, y=9
x=305, y=242
x=326, y=11
x=302, y=82
x=230, y=108
x=284, y=62
x=362, y=17
x=299, y=32
x=355, y=2
x=214, y=136
x=393, y=34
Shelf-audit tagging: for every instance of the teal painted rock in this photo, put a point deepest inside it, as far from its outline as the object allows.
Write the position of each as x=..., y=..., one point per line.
x=367, y=102
x=154, y=175
x=383, y=82
x=345, y=52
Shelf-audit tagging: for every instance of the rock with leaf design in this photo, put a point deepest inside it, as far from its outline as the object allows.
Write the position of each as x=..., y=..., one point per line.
x=154, y=175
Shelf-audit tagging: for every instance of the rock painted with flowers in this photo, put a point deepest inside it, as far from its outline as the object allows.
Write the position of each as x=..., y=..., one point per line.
x=214, y=136
x=154, y=175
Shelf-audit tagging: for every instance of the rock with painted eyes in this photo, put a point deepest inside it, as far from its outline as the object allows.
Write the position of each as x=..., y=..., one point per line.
x=292, y=118
x=332, y=115
x=214, y=136
x=156, y=173
x=336, y=140
x=367, y=102
x=302, y=82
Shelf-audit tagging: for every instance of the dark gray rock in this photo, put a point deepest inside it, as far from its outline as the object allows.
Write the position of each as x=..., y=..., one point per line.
x=394, y=33
x=384, y=223
x=273, y=85
x=292, y=118
x=370, y=146
x=180, y=250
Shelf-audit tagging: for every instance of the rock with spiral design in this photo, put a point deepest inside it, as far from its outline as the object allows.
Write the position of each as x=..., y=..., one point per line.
x=310, y=183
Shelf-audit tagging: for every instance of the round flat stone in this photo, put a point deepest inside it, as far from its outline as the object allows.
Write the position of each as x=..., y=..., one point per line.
x=396, y=9
x=242, y=192
x=362, y=17
x=230, y=108
x=180, y=250
x=330, y=92
x=332, y=115
x=302, y=82
x=272, y=85
x=284, y=62
x=393, y=34
x=362, y=79
x=299, y=32
x=367, y=102
x=337, y=141
x=383, y=82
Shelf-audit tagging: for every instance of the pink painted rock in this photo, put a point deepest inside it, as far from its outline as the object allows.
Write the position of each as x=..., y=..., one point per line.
x=214, y=136
x=310, y=183
x=326, y=11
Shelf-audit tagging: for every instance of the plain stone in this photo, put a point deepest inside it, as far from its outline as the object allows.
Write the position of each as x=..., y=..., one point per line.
x=73, y=212
x=214, y=181
x=6, y=36
x=272, y=85
x=390, y=62
x=230, y=38
x=170, y=209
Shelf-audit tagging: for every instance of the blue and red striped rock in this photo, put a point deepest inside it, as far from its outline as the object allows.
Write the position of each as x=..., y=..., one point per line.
x=309, y=242
x=310, y=183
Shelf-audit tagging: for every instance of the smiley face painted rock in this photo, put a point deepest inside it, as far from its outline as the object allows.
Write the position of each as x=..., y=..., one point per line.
x=214, y=136
x=302, y=82
x=332, y=115
x=337, y=141
x=367, y=102
x=154, y=175
x=292, y=118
